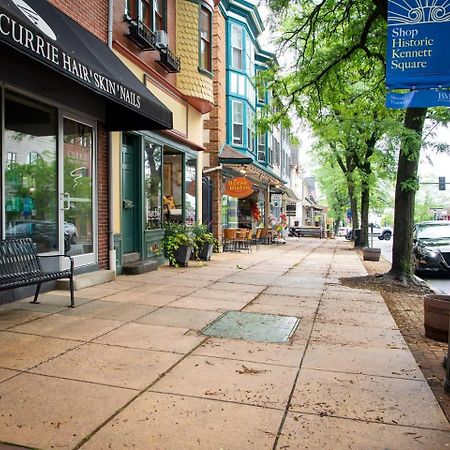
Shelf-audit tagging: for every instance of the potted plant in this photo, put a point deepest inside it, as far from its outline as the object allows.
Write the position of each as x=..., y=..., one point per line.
x=204, y=242
x=178, y=244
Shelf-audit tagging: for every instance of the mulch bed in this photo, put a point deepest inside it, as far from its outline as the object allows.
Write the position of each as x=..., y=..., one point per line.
x=406, y=307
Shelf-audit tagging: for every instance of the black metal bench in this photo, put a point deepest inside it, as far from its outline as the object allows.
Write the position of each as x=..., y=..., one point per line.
x=305, y=232
x=21, y=266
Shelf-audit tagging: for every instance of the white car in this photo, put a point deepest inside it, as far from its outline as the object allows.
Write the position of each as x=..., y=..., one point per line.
x=382, y=233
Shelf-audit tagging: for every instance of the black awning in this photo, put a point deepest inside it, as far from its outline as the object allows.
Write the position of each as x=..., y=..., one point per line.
x=41, y=31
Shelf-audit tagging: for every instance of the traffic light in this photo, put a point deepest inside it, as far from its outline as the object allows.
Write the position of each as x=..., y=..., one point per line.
x=442, y=183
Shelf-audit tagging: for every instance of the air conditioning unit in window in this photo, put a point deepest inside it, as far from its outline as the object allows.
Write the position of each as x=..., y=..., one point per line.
x=161, y=39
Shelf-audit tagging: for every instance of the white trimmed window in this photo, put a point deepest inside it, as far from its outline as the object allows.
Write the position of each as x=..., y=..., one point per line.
x=250, y=129
x=261, y=156
x=249, y=56
x=269, y=149
x=238, y=122
x=236, y=47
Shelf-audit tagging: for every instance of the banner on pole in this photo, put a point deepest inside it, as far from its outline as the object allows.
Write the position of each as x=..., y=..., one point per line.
x=417, y=52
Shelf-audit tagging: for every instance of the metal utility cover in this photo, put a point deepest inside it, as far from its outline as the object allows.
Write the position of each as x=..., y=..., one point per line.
x=252, y=327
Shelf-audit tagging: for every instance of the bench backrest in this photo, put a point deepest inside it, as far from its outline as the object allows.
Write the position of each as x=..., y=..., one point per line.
x=18, y=258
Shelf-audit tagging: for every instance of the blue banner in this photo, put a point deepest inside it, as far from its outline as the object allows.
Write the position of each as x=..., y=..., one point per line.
x=418, y=44
x=422, y=98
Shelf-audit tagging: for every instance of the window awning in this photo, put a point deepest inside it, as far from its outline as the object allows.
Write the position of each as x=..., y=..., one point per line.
x=42, y=32
x=290, y=194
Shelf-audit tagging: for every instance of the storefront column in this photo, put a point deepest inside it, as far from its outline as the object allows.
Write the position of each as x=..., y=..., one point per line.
x=267, y=207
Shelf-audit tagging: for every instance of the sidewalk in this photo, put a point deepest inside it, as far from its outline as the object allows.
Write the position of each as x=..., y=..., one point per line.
x=128, y=367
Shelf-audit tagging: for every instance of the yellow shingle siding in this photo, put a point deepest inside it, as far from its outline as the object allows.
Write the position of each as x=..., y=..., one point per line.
x=190, y=81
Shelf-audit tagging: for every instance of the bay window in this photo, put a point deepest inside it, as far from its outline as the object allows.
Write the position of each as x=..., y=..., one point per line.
x=236, y=47
x=238, y=123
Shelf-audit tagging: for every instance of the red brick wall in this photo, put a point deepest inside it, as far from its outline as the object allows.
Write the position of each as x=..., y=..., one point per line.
x=92, y=15
x=217, y=117
x=102, y=195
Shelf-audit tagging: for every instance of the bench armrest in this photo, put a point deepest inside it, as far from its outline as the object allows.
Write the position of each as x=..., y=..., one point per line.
x=59, y=256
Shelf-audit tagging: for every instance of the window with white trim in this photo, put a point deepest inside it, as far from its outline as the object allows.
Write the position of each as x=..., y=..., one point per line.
x=237, y=119
x=261, y=156
x=249, y=56
x=151, y=13
x=205, y=38
x=250, y=129
x=269, y=148
x=236, y=47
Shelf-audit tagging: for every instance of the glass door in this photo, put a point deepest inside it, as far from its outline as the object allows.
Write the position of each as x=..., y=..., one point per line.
x=78, y=227
x=30, y=175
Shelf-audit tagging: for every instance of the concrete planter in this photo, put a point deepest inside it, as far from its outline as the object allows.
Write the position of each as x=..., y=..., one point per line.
x=205, y=252
x=182, y=255
x=371, y=254
x=436, y=309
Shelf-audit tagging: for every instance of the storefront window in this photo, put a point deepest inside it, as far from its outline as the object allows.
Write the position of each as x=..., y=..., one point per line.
x=229, y=212
x=31, y=202
x=152, y=184
x=190, y=189
x=173, y=186
x=78, y=188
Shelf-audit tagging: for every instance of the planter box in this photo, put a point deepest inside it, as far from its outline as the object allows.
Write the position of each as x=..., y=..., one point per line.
x=371, y=254
x=205, y=252
x=182, y=256
x=436, y=311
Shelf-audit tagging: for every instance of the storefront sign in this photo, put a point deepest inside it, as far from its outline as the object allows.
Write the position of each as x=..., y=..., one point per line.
x=238, y=188
x=291, y=210
x=41, y=31
x=417, y=52
x=275, y=200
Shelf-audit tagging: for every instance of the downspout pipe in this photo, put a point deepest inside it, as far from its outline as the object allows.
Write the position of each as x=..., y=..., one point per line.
x=112, y=251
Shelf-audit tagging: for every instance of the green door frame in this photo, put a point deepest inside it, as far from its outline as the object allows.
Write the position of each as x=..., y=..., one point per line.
x=137, y=192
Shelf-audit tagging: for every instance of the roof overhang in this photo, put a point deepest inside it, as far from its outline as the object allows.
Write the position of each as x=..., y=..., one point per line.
x=45, y=34
x=245, y=165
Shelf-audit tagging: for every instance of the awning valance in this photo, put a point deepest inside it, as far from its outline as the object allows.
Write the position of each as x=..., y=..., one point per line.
x=42, y=32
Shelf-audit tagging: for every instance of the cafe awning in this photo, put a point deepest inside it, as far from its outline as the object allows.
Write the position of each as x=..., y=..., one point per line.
x=42, y=32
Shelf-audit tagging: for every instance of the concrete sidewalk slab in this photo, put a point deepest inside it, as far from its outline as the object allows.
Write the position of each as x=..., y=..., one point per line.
x=368, y=397
x=194, y=319
x=46, y=412
x=151, y=337
x=68, y=327
x=23, y=351
x=110, y=365
x=138, y=373
x=168, y=422
x=250, y=383
x=359, y=360
x=313, y=432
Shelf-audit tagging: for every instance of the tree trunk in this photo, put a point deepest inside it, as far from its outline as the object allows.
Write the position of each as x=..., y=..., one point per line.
x=353, y=206
x=405, y=193
x=364, y=215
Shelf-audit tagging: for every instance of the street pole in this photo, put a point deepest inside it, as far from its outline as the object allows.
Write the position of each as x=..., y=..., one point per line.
x=447, y=365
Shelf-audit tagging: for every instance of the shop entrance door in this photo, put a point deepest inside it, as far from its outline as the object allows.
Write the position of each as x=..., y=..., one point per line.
x=130, y=231
x=78, y=229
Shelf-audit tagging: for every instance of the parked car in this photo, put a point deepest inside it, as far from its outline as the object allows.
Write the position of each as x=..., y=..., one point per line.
x=343, y=231
x=382, y=233
x=43, y=233
x=431, y=247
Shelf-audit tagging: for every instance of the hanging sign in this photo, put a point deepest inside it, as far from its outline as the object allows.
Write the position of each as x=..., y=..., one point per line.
x=238, y=187
x=417, y=52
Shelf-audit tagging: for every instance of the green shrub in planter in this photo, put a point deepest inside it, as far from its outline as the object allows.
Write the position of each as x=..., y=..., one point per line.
x=177, y=243
x=204, y=241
